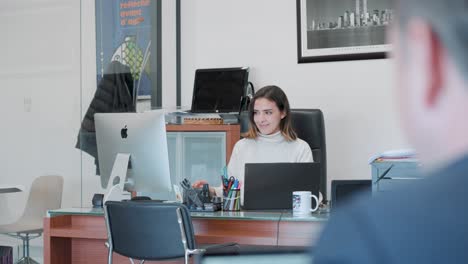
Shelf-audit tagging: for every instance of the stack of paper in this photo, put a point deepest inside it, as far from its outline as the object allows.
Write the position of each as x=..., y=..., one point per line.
x=397, y=154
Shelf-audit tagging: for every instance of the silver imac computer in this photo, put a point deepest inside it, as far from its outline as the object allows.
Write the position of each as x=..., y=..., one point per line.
x=132, y=151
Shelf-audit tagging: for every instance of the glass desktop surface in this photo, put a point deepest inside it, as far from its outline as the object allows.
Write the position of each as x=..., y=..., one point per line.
x=76, y=211
x=239, y=215
x=220, y=215
x=10, y=188
x=260, y=258
x=318, y=216
x=271, y=216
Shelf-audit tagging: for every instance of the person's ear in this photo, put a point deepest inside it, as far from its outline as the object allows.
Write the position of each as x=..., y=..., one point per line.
x=431, y=52
x=283, y=114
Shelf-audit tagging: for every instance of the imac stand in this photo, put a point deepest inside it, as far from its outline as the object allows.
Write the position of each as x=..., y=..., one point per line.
x=118, y=178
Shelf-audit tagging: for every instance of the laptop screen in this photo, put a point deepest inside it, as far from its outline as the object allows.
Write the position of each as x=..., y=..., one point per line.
x=269, y=186
x=219, y=90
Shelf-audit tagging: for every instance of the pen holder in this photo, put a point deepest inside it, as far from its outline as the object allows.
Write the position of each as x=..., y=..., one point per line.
x=231, y=202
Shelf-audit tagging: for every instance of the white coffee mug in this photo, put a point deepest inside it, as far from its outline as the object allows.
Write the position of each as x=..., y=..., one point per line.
x=302, y=203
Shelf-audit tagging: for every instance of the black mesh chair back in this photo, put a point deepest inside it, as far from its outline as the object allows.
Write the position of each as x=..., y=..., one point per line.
x=148, y=230
x=310, y=126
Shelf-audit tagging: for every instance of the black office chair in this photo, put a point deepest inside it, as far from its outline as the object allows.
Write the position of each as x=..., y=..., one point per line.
x=148, y=230
x=310, y=127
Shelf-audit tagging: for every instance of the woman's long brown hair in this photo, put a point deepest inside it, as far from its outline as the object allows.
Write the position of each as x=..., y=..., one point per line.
x=274, y=94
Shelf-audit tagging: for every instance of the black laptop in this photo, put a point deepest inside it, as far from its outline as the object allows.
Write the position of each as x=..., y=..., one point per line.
x=269, y=186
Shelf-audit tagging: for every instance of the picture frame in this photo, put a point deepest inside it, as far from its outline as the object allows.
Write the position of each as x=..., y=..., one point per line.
x=337, y=30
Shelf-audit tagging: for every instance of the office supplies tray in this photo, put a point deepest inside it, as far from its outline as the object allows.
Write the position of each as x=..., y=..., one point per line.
x=208, y=207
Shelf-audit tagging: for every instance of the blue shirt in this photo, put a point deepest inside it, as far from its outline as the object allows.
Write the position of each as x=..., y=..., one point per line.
x=425, y=222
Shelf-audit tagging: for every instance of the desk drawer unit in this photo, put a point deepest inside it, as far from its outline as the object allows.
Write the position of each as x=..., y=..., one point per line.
x=389, y=175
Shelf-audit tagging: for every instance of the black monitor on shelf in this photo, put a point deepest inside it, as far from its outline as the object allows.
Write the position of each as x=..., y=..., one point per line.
x=343, y=190
x=219, y=90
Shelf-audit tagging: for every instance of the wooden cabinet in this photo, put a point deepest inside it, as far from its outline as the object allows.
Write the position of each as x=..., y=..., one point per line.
x=198, y=152
x=232, y=133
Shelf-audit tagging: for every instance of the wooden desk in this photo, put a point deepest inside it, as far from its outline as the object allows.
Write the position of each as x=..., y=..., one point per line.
x=78, y=235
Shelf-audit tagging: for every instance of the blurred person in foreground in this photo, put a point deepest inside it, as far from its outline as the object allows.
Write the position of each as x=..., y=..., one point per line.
x=427, y=221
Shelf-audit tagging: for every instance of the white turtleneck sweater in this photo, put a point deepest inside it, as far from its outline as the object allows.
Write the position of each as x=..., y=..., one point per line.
x=265, y=149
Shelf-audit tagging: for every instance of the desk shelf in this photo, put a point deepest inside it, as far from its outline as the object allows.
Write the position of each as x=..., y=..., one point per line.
x=78, y=227
x=246, y=232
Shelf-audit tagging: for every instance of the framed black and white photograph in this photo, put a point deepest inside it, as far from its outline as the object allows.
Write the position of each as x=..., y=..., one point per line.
x=335, y=30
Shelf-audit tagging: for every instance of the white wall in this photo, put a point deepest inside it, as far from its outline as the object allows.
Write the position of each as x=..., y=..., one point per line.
x=40, y=101
x=40, y=84
x=356, y=97
x=47, y=80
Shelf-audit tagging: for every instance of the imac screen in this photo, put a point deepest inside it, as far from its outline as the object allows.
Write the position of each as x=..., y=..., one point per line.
x=143, y=136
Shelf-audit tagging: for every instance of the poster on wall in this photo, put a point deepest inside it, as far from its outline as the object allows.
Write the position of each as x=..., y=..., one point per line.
x=128, y=38
x=334, y=30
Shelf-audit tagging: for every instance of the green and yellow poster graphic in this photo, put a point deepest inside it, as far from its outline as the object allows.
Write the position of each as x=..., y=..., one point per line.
x=127, y=31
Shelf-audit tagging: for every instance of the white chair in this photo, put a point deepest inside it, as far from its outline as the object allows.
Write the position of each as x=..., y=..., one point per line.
x=45, y=194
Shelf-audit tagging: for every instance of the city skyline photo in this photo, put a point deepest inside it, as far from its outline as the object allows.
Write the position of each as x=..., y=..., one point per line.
x=326, y=10
x=351, y=29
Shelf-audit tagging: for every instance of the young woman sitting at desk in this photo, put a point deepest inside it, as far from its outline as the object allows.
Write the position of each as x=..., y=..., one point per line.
x=270, y=137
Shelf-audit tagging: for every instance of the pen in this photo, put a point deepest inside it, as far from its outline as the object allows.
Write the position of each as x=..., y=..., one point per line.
x=223, y=182
x=401, y=178
x=234, y=186
x=225, y=172
x=231, y=182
